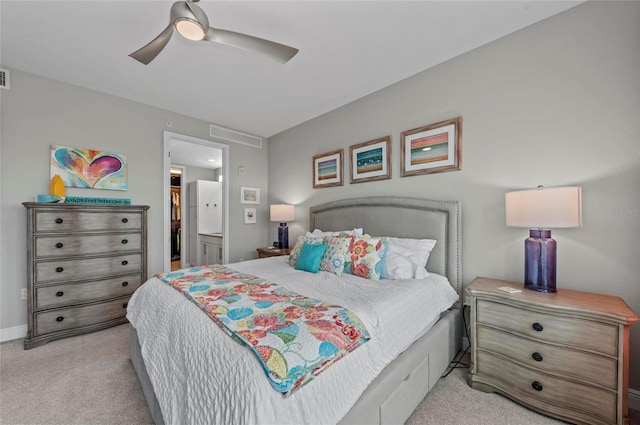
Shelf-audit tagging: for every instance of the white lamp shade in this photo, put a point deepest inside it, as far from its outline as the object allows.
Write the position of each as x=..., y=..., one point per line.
x=544, y=208
x=282, y=212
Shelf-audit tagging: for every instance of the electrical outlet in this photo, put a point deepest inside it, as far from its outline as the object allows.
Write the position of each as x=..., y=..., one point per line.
x=23, y=293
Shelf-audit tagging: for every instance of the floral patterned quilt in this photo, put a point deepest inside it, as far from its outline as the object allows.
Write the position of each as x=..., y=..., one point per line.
x=294, y=337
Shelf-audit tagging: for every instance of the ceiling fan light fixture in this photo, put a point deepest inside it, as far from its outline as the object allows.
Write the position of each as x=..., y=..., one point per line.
x=190, y=29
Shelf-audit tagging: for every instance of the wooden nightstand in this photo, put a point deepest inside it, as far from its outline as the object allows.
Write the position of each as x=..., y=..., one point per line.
x=564, y=354
x=271, y=252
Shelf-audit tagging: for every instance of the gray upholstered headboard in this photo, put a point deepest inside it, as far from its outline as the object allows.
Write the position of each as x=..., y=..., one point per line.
x=404, y=218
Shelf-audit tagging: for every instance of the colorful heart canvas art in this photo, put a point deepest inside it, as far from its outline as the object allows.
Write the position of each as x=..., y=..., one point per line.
x=88, y=168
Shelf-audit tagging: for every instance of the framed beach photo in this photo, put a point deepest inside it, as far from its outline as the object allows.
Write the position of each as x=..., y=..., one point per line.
x=371, y=160
x=249, y=195
x=327, y=169
x=432, y=149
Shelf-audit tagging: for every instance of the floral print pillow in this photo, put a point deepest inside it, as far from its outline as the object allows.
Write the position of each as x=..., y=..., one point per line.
x=366, y=257
x=336, y=254
x=295, y=252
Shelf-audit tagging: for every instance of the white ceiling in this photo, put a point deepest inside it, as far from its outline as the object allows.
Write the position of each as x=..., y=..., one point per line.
x=194, y=154
x=348, y=49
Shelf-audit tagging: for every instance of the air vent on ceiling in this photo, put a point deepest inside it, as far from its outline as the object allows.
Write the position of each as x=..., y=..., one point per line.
x=4, y=79
x=229, y=135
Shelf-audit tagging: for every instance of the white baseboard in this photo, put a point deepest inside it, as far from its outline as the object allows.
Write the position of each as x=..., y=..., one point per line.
x=634, y=399
x=16, y=332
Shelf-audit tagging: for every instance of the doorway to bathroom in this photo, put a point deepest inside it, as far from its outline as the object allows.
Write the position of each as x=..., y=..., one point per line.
x=193, y=168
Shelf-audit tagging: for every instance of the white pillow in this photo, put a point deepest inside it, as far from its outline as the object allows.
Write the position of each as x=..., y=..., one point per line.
x=407, y=258
x=319, y=233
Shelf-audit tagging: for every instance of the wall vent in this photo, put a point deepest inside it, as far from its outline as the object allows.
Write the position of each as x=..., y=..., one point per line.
x=4, y=79
x=234, y=136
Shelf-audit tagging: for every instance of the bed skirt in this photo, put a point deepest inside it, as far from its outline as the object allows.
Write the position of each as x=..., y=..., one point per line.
x=391, y=397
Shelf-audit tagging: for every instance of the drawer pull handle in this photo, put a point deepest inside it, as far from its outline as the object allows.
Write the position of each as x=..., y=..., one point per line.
x=124, y=305
x=537, y=357
x=59, y=245
x=536, y=385
x=59, y=319
x=125, y=220
x=125, y=262
x=59, y=220
x=59, y=269
x=59, y=294
x=537, y=327
x=124, y=241
x=125, y=283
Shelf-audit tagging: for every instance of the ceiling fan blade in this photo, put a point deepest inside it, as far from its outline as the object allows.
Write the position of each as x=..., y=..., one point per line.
x=270, y=49
x=147, y=53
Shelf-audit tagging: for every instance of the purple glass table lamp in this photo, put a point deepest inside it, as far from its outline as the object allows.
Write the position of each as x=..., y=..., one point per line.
x=543, y=208
x=282, y=213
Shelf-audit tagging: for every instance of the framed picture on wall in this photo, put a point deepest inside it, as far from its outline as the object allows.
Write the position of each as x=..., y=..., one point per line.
x=327, y=169
x=371, y=160
x=432, y=149
x=249, y=195
x=89, y=168
x=250, y=215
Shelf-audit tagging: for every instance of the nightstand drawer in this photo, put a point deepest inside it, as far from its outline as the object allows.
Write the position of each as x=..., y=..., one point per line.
x=76, y=293
x=552, y=328
x=63, y=245
x=73, y=317
x=591, y=368
x=75, y=270
x=84, y=221
x=570, y=397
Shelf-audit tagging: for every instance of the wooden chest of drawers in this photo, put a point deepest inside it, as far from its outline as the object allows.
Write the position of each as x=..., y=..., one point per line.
x=564, y=354
x=83, y=264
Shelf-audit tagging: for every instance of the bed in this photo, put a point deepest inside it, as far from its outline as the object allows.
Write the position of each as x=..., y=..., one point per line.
x=388, y=397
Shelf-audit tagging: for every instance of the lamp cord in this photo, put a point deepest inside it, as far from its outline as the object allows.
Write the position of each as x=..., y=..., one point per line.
x=457, y=362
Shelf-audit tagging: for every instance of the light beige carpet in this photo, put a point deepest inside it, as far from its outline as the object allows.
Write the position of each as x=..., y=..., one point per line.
x=89, y=379
x=86, y=379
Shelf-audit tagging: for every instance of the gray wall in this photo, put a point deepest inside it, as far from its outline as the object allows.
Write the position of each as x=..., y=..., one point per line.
x=554, y=104
x=38, y=112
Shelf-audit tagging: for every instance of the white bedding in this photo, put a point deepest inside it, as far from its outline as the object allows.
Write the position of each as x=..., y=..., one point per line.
x=201, y=376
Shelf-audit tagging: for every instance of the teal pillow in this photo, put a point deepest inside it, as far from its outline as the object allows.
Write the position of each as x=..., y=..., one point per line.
x=310, y=257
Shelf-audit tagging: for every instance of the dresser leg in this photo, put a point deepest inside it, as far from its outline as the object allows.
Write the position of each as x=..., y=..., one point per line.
x=479, y=385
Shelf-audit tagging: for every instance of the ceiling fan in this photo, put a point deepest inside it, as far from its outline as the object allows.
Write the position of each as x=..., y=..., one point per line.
x=192, y=23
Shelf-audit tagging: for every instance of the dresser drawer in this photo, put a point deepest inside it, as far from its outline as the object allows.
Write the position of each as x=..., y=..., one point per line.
x=81, y=269
x=63, y=245
x=73, y=317
x=76, y=293
x=548, y=327
x=588, y=367
x=81, y=221
x=571, y=396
